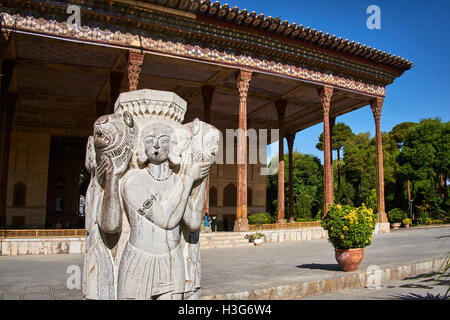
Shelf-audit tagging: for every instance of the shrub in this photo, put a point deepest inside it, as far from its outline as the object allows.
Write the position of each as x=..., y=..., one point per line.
x=436, y=221
x=303, y=220
x=406, y=221
x=260, y=218
x=396, y=215
x=303, y=206
x=349, y=227
x=254, y=236
x=372, y=200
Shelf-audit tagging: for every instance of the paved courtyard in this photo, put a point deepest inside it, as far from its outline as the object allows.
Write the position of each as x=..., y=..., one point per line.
x=234, y=269
x=421, y=287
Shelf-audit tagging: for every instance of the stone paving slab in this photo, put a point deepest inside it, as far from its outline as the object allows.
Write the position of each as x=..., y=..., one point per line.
x=236, y=270
x=422, y=287
x=276, y=264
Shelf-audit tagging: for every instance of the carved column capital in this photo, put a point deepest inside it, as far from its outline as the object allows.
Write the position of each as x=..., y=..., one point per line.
x=377, y=106
x=243, y=82
x=325, y=98
x=135, y=61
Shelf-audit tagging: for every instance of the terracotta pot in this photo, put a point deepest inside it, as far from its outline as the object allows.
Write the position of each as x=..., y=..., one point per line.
x=395, y=225
x=406, y=225
x=350, y=259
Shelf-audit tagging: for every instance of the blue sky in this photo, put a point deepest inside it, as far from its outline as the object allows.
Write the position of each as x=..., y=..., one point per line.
x=415, y=30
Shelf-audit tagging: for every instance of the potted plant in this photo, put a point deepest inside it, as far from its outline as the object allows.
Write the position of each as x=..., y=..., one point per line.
x=349, y=231
x=406, y=222
x=395, y=217
x=256, y=238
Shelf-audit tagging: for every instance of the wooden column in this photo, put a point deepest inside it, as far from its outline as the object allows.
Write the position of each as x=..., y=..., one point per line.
x=325, y=99
x=290, y=141
x=242, y=82
x=207, y=95
x=376, y=106
x=135, y=61
x=332, y=122
x=281, y=110
x=7, y=108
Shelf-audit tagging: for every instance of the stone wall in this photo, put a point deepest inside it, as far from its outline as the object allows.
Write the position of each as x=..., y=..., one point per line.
x=306, y=234
x=42, y=246
x=28, y=164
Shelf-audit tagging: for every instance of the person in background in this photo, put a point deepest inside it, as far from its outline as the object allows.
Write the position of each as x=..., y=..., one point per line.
x=207, y=222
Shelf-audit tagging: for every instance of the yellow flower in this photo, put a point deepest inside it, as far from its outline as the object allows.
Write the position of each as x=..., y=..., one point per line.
x=339, y=206
x=342, y=236
x=331, y=228
x=345, y=228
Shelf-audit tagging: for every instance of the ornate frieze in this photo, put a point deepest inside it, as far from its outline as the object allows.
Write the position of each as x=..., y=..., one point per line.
x=180, y=48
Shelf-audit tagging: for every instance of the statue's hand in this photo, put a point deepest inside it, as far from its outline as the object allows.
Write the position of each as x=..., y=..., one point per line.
x=120, y=165
x=199, y=170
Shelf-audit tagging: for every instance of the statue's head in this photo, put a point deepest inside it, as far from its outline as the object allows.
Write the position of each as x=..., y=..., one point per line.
x=112, y=133
x=159, y=144
x=205, y=140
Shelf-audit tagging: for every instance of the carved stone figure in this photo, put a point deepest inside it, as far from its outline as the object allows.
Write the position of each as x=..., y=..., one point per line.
x=108, y=156
x=146, y=199
x=203, y=148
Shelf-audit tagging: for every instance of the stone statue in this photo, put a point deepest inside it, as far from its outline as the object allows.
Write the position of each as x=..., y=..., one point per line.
x=145, y=200
x=108, y=156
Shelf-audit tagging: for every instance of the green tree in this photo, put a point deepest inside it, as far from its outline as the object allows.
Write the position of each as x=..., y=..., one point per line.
x=424, y=159
x=303, y=206
x=307, y=179
x=398, y=133
x=395, y=195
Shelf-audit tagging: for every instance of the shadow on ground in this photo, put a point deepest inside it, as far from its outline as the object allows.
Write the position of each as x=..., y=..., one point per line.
x=320, y=266
x=415, y=296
